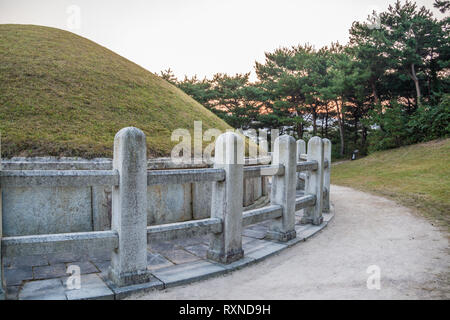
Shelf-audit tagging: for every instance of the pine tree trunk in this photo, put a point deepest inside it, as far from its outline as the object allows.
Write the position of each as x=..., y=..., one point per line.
x=341, y=127
x=321, y=126
x=314, y=122
x=374, y=92
x=364, y=138
x=413, y=76
x=341, y=133
x=300, y=131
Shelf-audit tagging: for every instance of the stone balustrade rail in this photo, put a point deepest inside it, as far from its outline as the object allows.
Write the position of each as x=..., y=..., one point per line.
x=129, y=177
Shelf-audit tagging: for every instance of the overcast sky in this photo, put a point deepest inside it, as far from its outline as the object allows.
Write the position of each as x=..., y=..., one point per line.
x=200, y=37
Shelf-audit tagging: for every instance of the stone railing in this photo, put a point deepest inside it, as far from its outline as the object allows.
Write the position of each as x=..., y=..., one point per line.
x=48, y=210
x=129, y=234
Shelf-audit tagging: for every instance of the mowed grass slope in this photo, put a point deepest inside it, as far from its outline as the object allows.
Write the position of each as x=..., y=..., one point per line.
x=64, y=95
x=417, y=176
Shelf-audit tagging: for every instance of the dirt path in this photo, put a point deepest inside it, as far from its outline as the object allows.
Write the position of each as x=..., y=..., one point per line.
x=413, y=257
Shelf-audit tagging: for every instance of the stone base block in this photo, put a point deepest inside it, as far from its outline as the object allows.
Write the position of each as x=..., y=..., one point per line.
x=313, y=220
x=225, y=258
x=281, y=236
x=129, y=278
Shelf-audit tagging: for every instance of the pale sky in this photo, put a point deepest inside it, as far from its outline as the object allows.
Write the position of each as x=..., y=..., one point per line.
x=198, y=37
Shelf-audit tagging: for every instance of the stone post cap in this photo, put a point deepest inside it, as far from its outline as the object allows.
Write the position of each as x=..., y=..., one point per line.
x=314, y=141
x=129, y=132
x=229, y=149
x=286, y=139
x=301, y=142
x=283, y=143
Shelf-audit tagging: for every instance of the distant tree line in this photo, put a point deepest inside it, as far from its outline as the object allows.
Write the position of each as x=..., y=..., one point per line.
x=387, y=88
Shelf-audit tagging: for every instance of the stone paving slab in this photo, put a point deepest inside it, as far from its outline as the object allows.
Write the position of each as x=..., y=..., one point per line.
x=123, y=292
x=92, y=287
x=241, y=263
x=327, y=217
x=198, y=249
x=246, y=239
x=172, y=263
x=256, y=234
x=85, y=266
x=296, y=240
x=49, y=289
x=311, y=230
x=156, y=261
x=264, y=249
x=49, y=272
x=188, y=272
x=300, y=228
x=15, y=275
x=263, y=226
x=162, y=246
x=12, y=292
x=102, y=265
x=180, y=256
x=253, y=245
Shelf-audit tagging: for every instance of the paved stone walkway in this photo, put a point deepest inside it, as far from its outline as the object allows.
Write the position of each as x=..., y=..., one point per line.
x=172, y=263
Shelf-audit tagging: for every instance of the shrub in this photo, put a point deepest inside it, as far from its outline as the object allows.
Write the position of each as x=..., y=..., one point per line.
x=396, y=127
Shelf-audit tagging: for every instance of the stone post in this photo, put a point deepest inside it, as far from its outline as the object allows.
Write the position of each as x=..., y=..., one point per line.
x=283, y=189
x=301, y=149
x=2, y=281
x=129, y=203
x=326, y=174
x=227, y=195
x=314, y=182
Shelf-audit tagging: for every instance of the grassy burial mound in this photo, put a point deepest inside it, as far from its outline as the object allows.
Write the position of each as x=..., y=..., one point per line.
x=64, y=95
x=417, y=176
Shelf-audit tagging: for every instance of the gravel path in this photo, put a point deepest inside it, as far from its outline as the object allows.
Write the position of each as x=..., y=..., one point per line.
x=412, y=256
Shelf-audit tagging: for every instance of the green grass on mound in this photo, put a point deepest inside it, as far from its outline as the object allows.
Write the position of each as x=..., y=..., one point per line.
x=64, y=95
x=417, y=176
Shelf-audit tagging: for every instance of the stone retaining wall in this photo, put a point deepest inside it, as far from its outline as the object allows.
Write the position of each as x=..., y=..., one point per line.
x=45, y=210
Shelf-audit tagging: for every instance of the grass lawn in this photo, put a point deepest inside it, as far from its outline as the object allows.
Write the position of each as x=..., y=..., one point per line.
x=417, y=176
x=64, y=95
